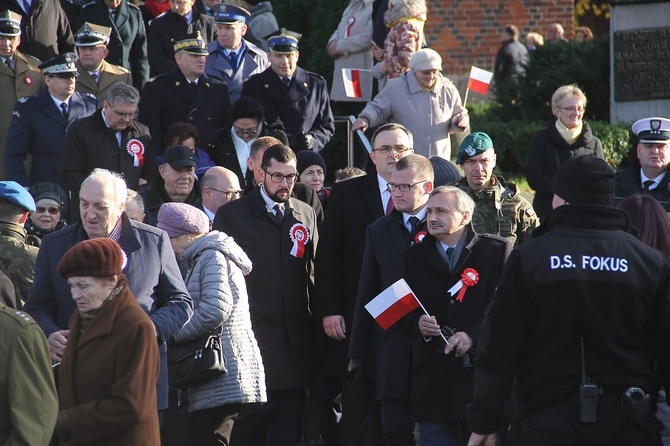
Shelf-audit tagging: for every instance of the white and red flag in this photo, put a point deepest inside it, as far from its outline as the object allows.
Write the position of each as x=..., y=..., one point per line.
x=392, y=304
x=479, y=80
x=352, y=82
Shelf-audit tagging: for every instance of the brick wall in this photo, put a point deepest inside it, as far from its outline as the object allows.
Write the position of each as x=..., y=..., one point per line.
x=469, y=32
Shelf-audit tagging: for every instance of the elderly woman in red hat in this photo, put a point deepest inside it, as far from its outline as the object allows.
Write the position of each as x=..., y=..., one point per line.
x=110, y=365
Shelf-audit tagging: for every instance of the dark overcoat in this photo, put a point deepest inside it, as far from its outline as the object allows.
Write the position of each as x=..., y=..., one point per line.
x=279, y=286
x=628, y=182
x=108, y=378
x=303, y=106
x=169, y=98
x=441, y=386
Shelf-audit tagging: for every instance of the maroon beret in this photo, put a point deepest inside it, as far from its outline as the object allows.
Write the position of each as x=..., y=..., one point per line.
x=97, y=257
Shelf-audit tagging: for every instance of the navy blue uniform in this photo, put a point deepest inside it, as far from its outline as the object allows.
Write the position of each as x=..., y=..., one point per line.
x=303, y=106
x=169, y=98
x=38, y=128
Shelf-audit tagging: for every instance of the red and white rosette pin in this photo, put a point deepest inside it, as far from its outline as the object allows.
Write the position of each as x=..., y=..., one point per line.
x=469, y=278
x=136, y=150
x=350, y=23
x=418, y=238
x=27, y=80
x=299, y=236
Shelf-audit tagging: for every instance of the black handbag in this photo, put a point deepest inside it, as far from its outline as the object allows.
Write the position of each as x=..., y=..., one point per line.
x=197, y=361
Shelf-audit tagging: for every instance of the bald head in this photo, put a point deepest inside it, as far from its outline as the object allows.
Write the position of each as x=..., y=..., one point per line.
x=219, y=186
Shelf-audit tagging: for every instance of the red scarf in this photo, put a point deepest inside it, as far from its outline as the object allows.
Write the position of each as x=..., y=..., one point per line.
x=156, y=8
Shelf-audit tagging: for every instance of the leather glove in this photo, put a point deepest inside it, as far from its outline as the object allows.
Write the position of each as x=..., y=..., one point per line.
x=302, y=141
x=356, y=367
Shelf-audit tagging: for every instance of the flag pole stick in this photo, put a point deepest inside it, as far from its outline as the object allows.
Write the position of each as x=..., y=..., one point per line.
x=426, y=312
x=465, y=101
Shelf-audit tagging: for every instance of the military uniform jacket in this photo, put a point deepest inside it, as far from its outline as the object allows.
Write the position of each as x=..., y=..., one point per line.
x=352, y=206
x=441, y=387
x=90, y=144
x=169, y=98
x=17, y=259
x=45, y=32
x=386, y=241
x=279, y=286
x=25, y=80
x=170, y=27
x=628, y=182
x=582, y=275
x=303, y=106
x=38, y=128
x=108, y=76
x=254, y=61
x=501, y=210
x=128, y=41
x=28, y=398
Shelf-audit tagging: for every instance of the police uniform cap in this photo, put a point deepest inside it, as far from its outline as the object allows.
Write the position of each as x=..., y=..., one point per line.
x=283, y=41
x=227, y=13
x=193, y=43
x=91, y=34
x=16, y=194
x=61, y=65
x=652, y=130
x=473, y=145
x=10, y=24
x=179, y=156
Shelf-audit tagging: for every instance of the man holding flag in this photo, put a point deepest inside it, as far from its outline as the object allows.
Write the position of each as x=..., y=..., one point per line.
x=386, y=240
x=453, y=274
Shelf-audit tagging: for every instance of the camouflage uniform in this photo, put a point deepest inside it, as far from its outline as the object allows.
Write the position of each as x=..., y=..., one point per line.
x=501, y=210
x=17, y=259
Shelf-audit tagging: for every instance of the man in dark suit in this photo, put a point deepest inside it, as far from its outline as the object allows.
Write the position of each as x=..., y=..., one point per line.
x=39, y=123
x=231, y=57
x=298, y=97
x=185, y=94
x=128, y=40
x=453, y=273
x=353, y=205
x=181, y=20
x=279, y=235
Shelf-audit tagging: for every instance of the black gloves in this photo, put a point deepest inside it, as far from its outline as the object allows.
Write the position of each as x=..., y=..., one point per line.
x=356, y=367
x=302, y=141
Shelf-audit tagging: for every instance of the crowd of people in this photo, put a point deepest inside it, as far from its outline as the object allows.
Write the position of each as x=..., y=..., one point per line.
x=140, y=214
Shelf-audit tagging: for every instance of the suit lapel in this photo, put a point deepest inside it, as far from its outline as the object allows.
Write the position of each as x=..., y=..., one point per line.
x=77, y=108
x=181, y=86
x=49, y=108
x=298, y=89
x=373, y=197
x=122, y=16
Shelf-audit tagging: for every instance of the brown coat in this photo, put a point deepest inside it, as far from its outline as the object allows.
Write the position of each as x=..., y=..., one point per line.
x=108, y=378
x=109, y=75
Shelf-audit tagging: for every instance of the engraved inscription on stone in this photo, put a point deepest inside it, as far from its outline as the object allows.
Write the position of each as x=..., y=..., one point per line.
x=641, y=64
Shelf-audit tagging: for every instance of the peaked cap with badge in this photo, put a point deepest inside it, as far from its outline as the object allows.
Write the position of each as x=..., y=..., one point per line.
x=227, y=13
x=193, y=44
x=652, y=130
x=91, y=34
x=62, y=64
x=10, y=24
x=473, y=145
x=283, y=41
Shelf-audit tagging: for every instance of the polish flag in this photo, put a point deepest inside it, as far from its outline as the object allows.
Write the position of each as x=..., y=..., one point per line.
x=352, y=82
x=392, y=304
x=479, y=80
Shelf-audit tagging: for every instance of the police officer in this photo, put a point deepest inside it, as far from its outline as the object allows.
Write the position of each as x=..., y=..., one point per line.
x=19, y=75
x=499, y=208
x=185, y=94
x=232, y=58
x=96, y=75
x=39, y=122
x=649, y=173
x=580, y=316
x=298, y=97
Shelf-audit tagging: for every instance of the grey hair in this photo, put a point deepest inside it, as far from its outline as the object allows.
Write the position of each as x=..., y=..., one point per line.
x=111, y=180
x=122, y=92
x=132, y=196
x=462, y=201
x=565, y=92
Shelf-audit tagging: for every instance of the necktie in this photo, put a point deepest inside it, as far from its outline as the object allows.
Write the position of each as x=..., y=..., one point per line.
x=26, y=6
x=8, y=62
x=63, y=107
x=449, y=252
x=279, y=215
x=94, y=76
x=413, y=222
x=389, y=206
x=233, y=60
x=646, y=185
x=286, y=80
x=194, y=86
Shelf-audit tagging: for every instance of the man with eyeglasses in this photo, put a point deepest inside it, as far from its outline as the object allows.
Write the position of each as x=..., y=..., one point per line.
x=499, y=208
x=218, y=186
x=110, y=139
x=354, y=205
x=649, y=175
x=39, y=123
x=279, y=235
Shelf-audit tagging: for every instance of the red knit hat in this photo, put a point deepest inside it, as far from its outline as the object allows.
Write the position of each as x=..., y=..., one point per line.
x=97, y=257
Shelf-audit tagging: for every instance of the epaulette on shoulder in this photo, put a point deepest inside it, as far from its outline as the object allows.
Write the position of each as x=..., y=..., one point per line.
x=21, y=317
x=86, y=5
x=25, y=99
x=311, y=73
x=133, y=6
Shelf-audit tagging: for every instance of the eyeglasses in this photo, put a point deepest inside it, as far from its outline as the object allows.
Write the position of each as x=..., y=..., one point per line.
x=278, y=178
x=229, y=194
x=51, y=210
x=129, y=116
x=402, y=187
x=241, y=132
x=385, y=150
x=578, y=109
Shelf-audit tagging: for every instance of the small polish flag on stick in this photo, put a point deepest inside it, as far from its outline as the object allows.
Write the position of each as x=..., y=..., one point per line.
x=479, y=82
x=352, y=82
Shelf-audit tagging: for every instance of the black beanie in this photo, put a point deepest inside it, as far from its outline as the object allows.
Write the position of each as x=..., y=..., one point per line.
x=306, y=158
x=585, y=180
x=445, y=171
x=247, y=108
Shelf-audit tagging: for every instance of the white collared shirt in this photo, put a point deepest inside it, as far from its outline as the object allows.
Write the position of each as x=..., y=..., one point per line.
x=421, y=215
x=656, y=180
x=118, y=134
x=271, y=203
x=384, y=192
